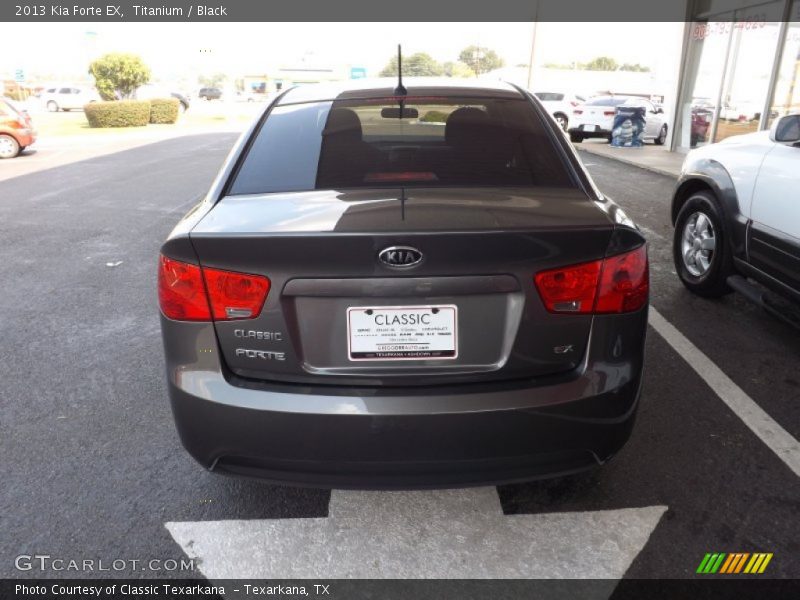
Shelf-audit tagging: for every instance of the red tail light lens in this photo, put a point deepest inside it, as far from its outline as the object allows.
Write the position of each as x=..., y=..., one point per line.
x=235, y=295
x=571, y=289
x=577, y=112
x=183, y=297
x=625, y=282
x=616, y=284
x=181, y=292
x=609, y=113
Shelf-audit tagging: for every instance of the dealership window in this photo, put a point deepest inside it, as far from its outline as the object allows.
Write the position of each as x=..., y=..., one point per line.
x=708, y=44
x=744, y=90
x=786, y=96
x=726, y=71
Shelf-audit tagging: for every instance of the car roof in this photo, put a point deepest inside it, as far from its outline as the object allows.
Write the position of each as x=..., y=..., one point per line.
x=384, y=87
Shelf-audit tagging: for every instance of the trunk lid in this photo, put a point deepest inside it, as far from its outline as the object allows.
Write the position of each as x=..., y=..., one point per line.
x=479, y=252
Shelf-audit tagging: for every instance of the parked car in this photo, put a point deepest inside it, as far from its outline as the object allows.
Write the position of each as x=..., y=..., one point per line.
x=68, y=98
x=736, y=214
x=595, y=118
x=701, y=123
x=365, y=300
x=560, y=105
x=152, y=91
x=210, y=93
x=16, y=129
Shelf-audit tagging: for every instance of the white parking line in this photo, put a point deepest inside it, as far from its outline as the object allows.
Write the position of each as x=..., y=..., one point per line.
x=780, y=441
x=432, y=534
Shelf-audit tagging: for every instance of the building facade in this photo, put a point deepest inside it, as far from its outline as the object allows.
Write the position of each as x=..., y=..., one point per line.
x=740, y=69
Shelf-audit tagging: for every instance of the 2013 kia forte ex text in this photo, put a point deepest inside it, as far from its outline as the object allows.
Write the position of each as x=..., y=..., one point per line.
x=403, y=286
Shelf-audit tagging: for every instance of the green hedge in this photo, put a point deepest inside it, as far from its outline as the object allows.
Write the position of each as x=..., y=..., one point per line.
x=121, y=113
x=164, y=110
x=434, y=116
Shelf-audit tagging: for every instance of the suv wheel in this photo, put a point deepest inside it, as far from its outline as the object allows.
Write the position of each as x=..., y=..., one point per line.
x=9, y=147
x=52, y=106
x=561, y=119
x=700, y=247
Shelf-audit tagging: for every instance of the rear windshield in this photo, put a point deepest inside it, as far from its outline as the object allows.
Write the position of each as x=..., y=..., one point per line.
x=606, y=101
x=428, y=142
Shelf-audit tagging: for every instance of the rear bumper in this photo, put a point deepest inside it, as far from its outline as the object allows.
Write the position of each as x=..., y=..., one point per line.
x=407, y=438
x=601, y=131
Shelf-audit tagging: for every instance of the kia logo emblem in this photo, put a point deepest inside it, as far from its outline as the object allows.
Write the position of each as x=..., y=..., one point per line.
x=401, y=257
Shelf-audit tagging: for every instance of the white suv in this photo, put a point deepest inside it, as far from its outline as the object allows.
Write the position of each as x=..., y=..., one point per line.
x=68, y=98
x=736, y=214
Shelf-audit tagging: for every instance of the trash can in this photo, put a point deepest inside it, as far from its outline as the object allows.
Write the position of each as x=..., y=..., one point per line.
x=628, y=130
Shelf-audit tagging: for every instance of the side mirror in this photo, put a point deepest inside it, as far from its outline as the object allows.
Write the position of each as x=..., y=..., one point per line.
x=786, y=130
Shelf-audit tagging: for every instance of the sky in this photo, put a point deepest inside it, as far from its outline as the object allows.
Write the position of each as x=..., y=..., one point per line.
x=63, y=50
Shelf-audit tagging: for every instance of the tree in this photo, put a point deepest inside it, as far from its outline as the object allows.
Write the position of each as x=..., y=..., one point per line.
x=117, y=76
x=416, y=65
x=480, y=59
x=457, y=69
x=216, y=80
x=601, y=63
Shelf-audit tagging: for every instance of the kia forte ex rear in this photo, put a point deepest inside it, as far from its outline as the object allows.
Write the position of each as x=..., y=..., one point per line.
x=403, y=287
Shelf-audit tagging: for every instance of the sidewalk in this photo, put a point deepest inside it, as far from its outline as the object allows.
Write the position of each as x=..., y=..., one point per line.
x=650, y=157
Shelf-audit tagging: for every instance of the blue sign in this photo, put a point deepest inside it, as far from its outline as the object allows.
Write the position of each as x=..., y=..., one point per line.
x=628, y=130
x=358, y=72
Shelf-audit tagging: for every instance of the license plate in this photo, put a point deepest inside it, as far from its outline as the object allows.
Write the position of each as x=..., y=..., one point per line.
x=402, y=332
x=590, y=127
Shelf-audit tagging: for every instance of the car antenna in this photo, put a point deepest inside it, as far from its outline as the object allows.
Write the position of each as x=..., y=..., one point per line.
x=400, y=90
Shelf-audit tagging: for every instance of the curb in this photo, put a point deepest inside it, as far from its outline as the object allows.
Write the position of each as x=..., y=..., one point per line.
x=628, y=161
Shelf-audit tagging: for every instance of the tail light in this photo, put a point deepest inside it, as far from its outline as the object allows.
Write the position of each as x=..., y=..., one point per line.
x=577, y=112
x=189, y=292
x=573, y=103
x=609, y=113
x=616, y=284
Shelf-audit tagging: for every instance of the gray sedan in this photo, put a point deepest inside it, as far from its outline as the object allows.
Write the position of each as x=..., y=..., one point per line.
x=391, y=287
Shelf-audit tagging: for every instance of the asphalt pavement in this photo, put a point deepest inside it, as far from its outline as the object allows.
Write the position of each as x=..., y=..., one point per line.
x=93, y=468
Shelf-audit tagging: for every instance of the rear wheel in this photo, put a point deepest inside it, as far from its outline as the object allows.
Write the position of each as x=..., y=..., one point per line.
x=9, y=147
x=575, y=138
x=662, y=136
x=700, y=247
x=562, y=120
x=52, y=106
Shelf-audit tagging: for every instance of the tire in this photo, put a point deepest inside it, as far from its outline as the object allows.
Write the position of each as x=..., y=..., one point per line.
x=662, y=136
x=9, y=147
x=575, y=138
x=560, y=118
x=703, y=266
x=52, y=106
